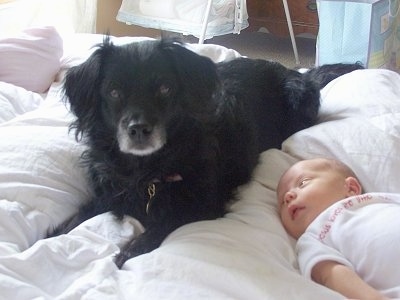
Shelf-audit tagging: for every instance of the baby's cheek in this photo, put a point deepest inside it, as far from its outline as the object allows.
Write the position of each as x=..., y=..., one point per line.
x=285, y=220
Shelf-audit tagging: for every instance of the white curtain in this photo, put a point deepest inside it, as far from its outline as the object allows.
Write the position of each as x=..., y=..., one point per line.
x=67, y=16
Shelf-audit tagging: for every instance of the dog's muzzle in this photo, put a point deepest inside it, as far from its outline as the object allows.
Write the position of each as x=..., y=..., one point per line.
x=140, y=138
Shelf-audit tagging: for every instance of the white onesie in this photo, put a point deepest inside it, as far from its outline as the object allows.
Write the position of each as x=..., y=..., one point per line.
x=362, y=232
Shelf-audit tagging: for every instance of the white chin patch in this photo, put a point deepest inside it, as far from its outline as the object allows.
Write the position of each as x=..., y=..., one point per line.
x=152, y=144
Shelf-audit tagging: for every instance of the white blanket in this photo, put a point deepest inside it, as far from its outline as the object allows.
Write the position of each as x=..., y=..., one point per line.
x=244, y=255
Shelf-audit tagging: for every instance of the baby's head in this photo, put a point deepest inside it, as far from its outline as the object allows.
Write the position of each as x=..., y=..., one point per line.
x=309, y=187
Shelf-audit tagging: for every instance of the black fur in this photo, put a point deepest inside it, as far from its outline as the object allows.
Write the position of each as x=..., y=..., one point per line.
x=326, y=73
x=154, y=114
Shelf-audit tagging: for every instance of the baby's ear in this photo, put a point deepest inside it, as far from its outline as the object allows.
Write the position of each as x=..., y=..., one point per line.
x=353, y=186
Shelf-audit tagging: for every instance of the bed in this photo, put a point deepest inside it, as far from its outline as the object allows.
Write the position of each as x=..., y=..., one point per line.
x=244, y=255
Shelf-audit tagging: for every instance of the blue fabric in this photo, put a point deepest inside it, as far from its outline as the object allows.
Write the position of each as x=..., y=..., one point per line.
x=363, y=31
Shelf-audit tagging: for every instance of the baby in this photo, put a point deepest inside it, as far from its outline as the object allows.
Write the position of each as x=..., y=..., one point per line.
x=347, y=241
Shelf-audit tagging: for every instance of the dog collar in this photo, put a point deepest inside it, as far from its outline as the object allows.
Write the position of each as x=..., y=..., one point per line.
x=151, y=188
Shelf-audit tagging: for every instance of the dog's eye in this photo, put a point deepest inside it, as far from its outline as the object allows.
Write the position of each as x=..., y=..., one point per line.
x=164, y=90
x=115, y=94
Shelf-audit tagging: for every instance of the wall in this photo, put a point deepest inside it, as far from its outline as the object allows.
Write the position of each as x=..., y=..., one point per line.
x=107, y=12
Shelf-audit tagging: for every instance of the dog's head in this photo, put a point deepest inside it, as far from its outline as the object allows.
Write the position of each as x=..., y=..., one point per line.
x=137, y=94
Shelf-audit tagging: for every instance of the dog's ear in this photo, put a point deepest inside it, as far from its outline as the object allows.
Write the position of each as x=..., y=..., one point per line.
x=198, y=72
x=82, y=88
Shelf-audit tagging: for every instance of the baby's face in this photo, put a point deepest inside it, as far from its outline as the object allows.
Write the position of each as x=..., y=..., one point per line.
x=305, y=190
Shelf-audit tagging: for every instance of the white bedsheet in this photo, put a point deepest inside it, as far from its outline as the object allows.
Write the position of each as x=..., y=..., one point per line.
x=245, y=255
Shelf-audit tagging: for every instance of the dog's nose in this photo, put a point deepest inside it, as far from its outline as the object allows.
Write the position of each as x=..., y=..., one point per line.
x=139, y=130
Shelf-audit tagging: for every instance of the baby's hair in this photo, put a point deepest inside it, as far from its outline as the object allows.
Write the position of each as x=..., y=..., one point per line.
x=330, y=164
x=340, y=167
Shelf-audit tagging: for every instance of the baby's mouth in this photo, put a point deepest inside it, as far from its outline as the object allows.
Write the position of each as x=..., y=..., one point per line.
x=294, y=212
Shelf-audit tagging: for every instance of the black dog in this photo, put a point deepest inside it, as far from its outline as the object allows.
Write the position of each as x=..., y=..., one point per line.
x=171, y=135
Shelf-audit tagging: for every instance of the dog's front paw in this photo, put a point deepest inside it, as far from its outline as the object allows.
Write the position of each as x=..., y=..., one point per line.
x=127, y=252
x=121, y=258
x=144, y=243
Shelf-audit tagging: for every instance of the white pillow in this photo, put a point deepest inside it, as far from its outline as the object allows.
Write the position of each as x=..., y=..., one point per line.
x=32, y=59
x=360, y=125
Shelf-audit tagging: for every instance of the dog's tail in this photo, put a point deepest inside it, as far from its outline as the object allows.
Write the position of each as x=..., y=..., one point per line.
x=303, y=93
x=324, y=74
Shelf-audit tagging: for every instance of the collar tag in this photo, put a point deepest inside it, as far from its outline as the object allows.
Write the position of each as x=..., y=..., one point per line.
x=151, y=191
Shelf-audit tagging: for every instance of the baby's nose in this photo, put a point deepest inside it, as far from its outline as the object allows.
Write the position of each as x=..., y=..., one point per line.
x=289, y=196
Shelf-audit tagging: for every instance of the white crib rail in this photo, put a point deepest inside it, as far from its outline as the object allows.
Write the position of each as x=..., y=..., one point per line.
x=290, y=26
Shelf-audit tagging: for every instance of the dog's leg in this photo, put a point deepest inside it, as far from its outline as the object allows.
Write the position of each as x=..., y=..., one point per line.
x=144, y=243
